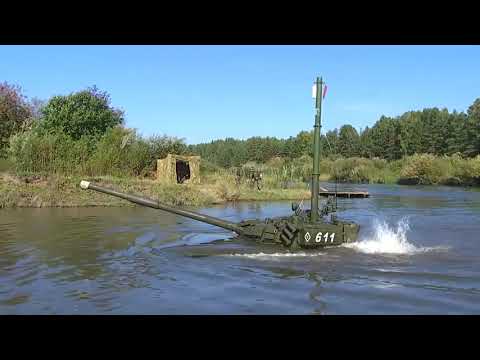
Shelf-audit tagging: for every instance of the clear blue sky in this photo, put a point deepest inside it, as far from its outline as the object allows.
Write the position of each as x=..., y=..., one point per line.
x=202, y=93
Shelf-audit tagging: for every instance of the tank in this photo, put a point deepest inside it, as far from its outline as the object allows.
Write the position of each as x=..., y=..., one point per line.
x=311, y=228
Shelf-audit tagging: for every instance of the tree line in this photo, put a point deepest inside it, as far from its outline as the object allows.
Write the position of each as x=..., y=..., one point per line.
x=432, y=130
x=85, y=120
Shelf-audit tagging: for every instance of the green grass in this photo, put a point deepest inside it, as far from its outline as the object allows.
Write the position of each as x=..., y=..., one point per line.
x=5, y=165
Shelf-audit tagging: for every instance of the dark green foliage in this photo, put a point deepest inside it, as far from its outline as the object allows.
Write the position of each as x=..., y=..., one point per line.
x=303, y=143
x=84, y=113
x=225, y=153
x=329, y=143
x=263, y=149
x=348, y=141
x=472, y=129
x=383, y=139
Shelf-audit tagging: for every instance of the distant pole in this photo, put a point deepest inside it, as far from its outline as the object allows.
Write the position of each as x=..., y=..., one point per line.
x=316, y=149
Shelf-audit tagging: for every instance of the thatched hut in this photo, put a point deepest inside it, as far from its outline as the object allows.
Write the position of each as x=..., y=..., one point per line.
x=179, y=169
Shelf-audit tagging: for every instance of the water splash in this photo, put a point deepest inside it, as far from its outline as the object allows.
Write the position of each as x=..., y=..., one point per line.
x=388, y=240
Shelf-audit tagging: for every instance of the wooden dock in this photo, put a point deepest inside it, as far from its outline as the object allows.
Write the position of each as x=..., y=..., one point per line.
x=344, y=194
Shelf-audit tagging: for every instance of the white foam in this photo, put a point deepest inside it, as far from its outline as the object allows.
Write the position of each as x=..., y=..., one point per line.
x=388, y=240
x=262, y=255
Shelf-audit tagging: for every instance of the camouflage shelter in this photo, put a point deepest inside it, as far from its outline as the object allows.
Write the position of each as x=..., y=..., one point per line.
x=179, y=169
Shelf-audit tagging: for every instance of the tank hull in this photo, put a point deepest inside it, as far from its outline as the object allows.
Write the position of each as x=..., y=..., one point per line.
x=298, y=232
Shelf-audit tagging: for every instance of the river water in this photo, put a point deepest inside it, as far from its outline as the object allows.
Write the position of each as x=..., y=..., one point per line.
x=419, y=253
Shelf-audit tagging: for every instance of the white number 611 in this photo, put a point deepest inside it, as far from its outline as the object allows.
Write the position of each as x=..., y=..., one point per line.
x=318, y=238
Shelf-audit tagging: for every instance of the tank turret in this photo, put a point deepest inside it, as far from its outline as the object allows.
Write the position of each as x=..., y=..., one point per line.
x=303, y=229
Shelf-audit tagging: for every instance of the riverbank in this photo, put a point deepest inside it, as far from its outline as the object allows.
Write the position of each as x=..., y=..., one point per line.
x=281, y=181
x=418, y=169
x=64, y=191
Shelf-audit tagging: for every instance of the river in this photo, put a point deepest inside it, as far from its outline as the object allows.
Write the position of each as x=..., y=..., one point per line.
x=419, y=253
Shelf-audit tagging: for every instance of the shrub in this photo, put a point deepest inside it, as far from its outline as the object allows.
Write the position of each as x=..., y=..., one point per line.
x=464, y=171
x=49, y=153
x=15, y=114
x=421, y=169
x=120, y=152
x=356, y=170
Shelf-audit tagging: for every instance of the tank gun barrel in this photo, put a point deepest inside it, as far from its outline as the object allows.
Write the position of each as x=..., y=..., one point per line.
x=171, y=209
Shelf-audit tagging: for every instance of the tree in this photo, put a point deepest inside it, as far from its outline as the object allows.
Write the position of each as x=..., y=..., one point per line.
x=289, y=148
x=15, y=113
x=456, y=138
x=384, y=139
x=329, y=143
x=255, y=149
x=473, y=129
x=86, y=112
x=410, y=133
x=348, y=141
x=303, y=143
x=365, y=143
